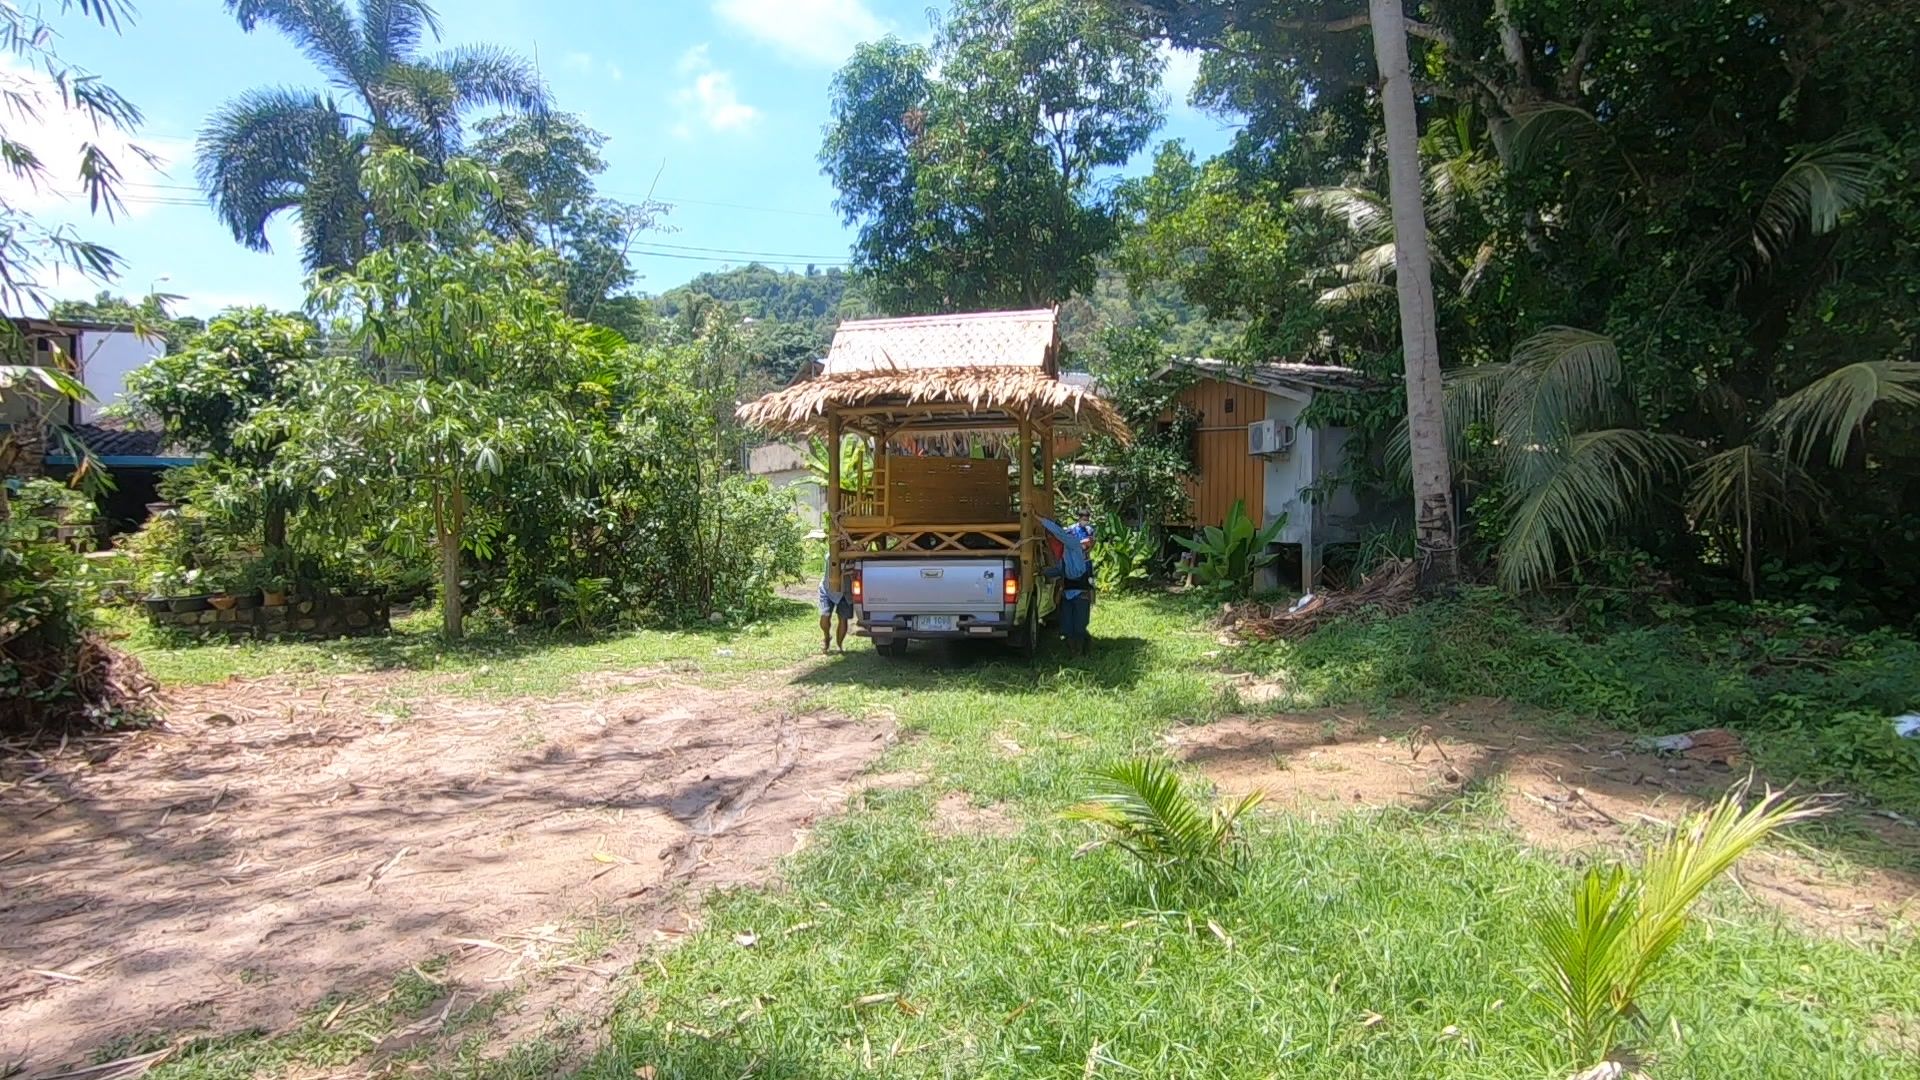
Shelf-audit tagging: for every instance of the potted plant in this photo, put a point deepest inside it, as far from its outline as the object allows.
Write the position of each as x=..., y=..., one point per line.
x=181, y=597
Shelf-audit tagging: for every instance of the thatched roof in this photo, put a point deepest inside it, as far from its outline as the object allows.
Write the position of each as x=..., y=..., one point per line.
x=973, y=398
x=1017, y=339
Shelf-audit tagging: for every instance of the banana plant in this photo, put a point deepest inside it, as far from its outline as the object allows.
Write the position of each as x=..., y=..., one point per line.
x=1232, y=552
x=856, y=466
x=1121, y=555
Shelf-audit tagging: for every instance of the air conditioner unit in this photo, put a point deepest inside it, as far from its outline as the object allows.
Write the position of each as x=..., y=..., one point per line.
x=1265, y=437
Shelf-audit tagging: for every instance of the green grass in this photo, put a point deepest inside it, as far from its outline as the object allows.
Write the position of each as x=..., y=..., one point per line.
x=1380, y=944
x=490, y=661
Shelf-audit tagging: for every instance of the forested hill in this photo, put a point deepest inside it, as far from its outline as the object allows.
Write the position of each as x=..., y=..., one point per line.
x=793, y=315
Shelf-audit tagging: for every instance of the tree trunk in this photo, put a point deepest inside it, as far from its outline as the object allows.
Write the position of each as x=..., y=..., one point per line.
x=275, y=539
x=1413, y=276
x=449, y=521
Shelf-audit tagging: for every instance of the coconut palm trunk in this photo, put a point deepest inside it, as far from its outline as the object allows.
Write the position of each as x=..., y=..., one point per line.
x=1413, y=276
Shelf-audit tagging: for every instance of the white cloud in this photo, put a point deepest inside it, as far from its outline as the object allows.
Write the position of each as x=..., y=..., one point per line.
x=56, y=135
x=816, y=31
x=708, y=99
x=585, y=63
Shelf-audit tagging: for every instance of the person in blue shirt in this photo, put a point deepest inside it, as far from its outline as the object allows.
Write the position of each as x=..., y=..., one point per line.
x=831, y=605
x=1075, y=571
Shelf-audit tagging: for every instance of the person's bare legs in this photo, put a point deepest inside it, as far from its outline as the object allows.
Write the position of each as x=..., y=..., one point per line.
x=826, y=626
x=840, y=638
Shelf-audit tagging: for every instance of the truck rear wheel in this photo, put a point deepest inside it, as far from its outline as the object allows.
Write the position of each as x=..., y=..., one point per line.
x=890, y=646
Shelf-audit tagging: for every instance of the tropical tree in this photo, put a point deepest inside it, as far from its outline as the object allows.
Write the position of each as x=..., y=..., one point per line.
x=473, y=364
x=971, y=166
x=1218, y=25
x=207, y=395
x=279, y=150
x=547, y=162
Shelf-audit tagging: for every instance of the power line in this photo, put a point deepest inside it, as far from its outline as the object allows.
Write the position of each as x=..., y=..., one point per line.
x=737, y=251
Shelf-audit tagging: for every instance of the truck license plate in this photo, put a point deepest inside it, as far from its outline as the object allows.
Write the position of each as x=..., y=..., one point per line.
x=935, y=622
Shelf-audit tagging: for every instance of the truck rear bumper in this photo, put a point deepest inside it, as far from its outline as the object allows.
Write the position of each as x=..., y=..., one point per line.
x=902, y=626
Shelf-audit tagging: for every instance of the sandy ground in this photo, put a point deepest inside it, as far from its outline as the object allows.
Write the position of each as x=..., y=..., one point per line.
x=276, y=845
x=1590, y=796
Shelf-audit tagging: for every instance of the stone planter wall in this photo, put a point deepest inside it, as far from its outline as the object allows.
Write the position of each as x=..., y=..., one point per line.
x=328, y=617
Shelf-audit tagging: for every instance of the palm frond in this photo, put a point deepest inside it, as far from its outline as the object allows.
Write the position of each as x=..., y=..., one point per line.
x=1537, y=128
x=393, y=30
x=1746, y=492
x=253, y=156
x=484, y=75
x=1599, y=962
x=1374, y=264
x=1584, y=959
x=1586, y=487
x=1352, y=293
x=1832, y=408
x=1817, y=189
x=1469, y=399
x=1177, y=838
x=1364, y=213
x=323, y=31
x=1574, y=378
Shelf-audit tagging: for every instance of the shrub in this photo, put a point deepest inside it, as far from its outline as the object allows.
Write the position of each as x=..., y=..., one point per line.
x=53, y=671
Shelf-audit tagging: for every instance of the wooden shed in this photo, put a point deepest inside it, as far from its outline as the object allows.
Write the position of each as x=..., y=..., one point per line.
x=1252, y=446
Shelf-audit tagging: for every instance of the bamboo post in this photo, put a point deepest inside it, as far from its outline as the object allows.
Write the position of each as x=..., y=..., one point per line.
x=833, y=503
x=1029, y=518
x=1047, y=489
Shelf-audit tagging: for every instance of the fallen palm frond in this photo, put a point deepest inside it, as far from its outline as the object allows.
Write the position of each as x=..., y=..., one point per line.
x=952, y=391
x=1389, y=590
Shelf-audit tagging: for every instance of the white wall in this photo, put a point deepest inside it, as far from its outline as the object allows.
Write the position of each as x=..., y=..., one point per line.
x=106, y=356
x=1288, y=473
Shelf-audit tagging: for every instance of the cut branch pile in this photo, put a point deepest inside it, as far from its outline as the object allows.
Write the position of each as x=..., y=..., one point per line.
x=1389, y=590
x=89, y=683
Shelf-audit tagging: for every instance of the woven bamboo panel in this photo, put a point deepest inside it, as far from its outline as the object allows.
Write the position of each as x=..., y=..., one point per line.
x=931, y=490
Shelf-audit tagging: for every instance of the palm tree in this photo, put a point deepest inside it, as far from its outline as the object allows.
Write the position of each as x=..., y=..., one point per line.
x=276, y=150
x=1433, y=520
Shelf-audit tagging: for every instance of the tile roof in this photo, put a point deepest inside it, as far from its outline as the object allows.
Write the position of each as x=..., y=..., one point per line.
x=1020, y=339
x=111, y=441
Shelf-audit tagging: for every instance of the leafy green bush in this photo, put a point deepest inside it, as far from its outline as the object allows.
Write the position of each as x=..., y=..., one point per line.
x=52, y=670
x=1122, y=555
x=1232, y=553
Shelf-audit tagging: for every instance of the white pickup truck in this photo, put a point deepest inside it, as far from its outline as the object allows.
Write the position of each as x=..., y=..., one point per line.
x=941, y=596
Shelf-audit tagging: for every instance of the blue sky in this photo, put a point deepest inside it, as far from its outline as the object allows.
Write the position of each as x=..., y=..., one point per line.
x=716, y=106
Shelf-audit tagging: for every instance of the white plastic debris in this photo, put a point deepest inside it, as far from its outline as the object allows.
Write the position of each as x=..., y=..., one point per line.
x=1300, y=604
x=1908, y=726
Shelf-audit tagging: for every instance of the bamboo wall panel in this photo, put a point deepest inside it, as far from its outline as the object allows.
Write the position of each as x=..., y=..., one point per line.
x=933, y=490
x=1225, y=472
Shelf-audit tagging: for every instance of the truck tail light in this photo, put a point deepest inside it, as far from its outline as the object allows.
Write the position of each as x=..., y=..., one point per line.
x=1012, y=585
x=858, y=587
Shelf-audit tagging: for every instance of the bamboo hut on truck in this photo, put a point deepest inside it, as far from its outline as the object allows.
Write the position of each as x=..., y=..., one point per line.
x=940, y=535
